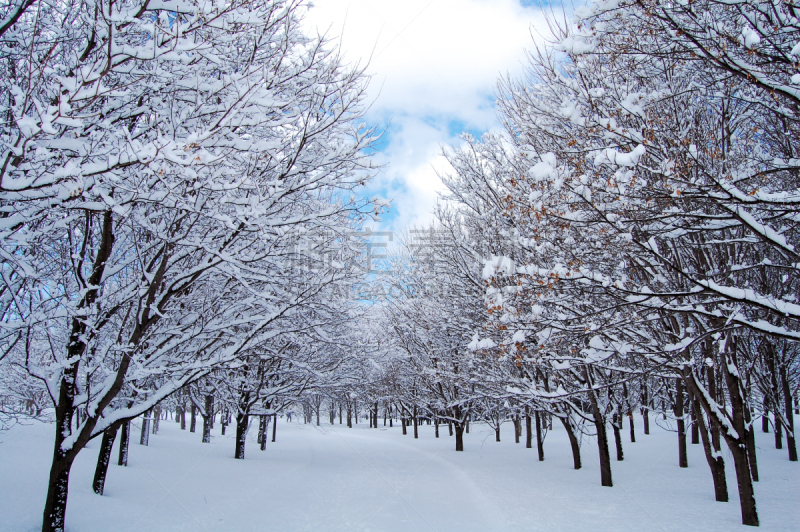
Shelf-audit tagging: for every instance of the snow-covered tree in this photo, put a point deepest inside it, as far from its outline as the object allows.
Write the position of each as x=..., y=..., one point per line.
x=158, y=160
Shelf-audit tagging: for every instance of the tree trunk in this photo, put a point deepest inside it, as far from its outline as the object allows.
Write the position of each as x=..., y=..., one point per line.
x=403, y=423
x=193, y=420
x=497, y=432
x=682, y=457
x=778, y=432
x=261, y=438
x=539, y=438
x=459, y=436
x=695, y=429
x=55, y=507
x=738, y=446
x=103, y=457
x=183, y=416
x=528, y=433
x=124, y=443
x=714, y=458
x=750, y=442
x=602, y=438
x=712, y=391
x=144, y=439
x=242, y=421
x=517, y=428
x=645, y=409
x=156, y=418
x=630, y=424
x=209, y=407
x=787, y=405
x=340, y=413
x=207, y=418
x=274, y=426
x=450, y=428
x=616, y=425
x=436, y=424
x=573, y=441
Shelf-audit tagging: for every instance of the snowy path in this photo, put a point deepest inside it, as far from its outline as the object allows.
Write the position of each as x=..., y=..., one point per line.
x=334, y=478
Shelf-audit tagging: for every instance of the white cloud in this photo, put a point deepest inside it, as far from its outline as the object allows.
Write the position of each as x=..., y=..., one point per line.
x=434, y=62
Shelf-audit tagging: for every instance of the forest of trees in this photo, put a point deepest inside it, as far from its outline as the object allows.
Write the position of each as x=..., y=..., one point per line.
x=183, y=235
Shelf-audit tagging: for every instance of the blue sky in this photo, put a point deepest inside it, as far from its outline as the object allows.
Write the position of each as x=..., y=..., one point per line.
x=434, y=67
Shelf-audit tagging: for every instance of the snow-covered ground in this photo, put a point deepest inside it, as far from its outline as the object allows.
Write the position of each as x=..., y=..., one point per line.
x=334, y=478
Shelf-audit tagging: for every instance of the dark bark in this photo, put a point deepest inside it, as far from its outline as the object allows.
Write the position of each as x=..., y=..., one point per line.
x=602, y=438
x=616, y=425
x=103, y=457
x=738, y=446
x=714, y=458
x=573, y=441
x=539, y=435
x=787, y=405
x=193, y=420
x=416, y=422
x=645, y=410
x=403, y=424
x=517, y=428
x=632, y=428
x=528, y=432
x=459, y=436
x=207, y=418
x=274, y=426
x=242, y=421
x=124, y=443
x=459, y=428
x=712, y=391
x=436, y=424
x=497, y=432
x=750, y=443
x=183, y=416
x=156, y=418
x=683, y=460
x=695, y=429
x=55, y=508
x=262, y=429
x=745, y=484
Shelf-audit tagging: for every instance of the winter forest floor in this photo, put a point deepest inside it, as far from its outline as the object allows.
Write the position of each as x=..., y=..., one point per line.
x=334, y=478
